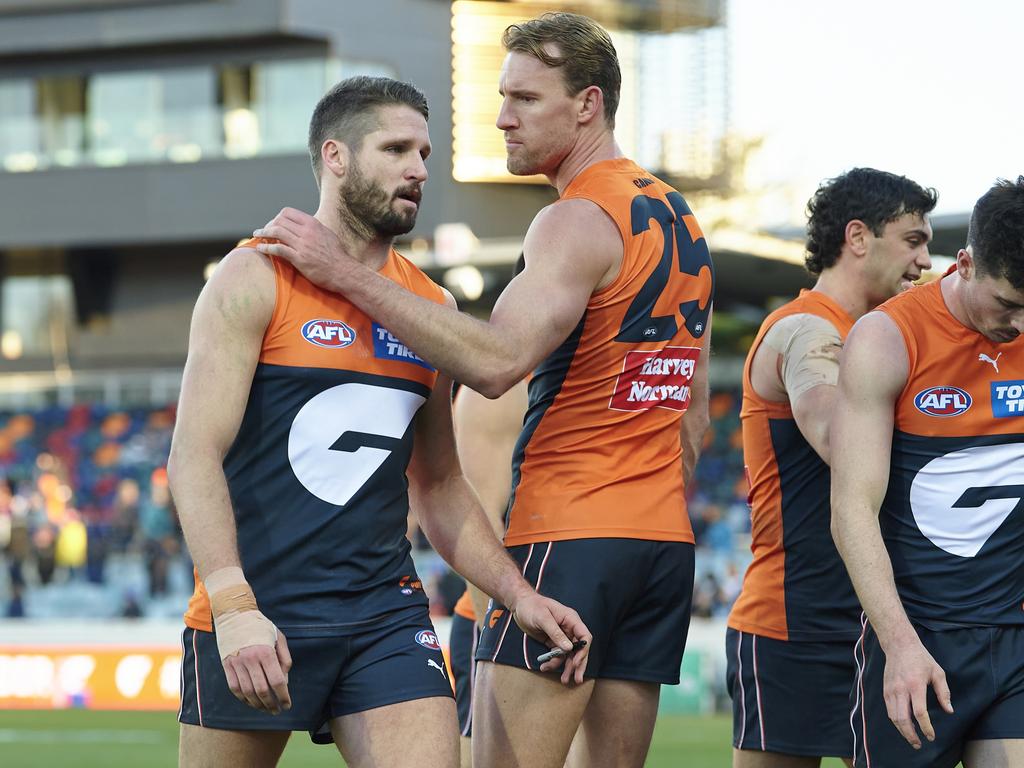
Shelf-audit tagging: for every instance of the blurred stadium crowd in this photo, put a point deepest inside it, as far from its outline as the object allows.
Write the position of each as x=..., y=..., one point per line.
x=88, y=528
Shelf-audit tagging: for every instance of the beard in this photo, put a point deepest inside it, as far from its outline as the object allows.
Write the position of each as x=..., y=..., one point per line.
x=523, y=164
x=529, y=162
x=366, y=207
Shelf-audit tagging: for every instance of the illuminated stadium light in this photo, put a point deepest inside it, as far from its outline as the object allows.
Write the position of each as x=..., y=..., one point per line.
x=185, y=153
x=466, y=282
x=209, y=269
x=20, y=162
x=478, y=147
x=10, y=345
x=665, y=47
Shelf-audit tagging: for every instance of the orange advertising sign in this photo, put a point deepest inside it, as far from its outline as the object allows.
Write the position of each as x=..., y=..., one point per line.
x=93, y=677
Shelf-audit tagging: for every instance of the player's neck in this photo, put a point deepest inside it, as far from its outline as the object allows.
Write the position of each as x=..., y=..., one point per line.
x=951, y=287
x=590, y=149
x=359, y=241
x=845, y=291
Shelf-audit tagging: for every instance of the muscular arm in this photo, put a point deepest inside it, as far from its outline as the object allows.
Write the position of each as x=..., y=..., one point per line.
x=486, y=432
x=696, y=420
x=572, y=247
x=798, y=361
x=873, y=373
x=228, y=323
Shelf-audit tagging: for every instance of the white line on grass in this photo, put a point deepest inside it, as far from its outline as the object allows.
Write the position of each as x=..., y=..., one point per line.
x=14, y=736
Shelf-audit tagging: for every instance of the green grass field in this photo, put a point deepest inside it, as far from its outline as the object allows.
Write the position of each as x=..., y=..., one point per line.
x=85, y=739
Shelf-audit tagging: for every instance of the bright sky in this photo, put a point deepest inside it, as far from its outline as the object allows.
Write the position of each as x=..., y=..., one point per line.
x=928, y=88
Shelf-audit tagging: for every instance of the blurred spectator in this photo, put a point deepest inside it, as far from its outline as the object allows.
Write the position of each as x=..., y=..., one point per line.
x=707, y=596
x=16, y=604
x=131, y=609
x=159, y=532
x=126, y=513
x=71, y=545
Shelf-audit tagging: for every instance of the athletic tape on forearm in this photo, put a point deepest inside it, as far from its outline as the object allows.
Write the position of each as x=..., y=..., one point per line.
x=237, y=620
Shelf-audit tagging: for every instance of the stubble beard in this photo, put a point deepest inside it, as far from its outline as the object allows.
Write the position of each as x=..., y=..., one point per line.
x=366, y=209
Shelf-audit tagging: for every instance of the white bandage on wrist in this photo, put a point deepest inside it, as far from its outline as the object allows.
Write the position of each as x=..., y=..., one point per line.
x=238, y=622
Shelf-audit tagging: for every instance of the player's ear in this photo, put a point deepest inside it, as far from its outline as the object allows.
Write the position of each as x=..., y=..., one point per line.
x=856, y=236
x=334, y=155
x=590, y=104
x=965, y=263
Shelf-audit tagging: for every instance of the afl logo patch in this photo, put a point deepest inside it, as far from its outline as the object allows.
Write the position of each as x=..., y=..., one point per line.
x=942, y=401
x=428, y=639
x=332, y=334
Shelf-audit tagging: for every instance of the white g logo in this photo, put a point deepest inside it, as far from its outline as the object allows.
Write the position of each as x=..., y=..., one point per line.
x=960, y=499
x=379, y=416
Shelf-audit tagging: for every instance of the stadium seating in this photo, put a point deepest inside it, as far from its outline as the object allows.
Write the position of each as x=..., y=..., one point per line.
x=87, y=529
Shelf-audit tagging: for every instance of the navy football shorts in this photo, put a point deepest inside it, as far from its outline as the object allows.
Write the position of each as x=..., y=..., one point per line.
x=984, y=669
x=790, y=697
x=396, y=660
x=634, y=596
x=462, y=647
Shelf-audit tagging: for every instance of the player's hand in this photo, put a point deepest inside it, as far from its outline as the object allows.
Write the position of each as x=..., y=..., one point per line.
x=256, y=660
x=312, y=248
x=553, y=624
x=255, y=655
x=909, y=670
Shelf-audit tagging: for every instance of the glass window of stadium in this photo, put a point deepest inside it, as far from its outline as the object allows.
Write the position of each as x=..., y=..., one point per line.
x=175, y=114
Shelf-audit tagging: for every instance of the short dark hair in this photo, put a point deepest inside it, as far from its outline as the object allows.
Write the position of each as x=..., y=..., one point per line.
x=586, y=53
x=865, y=194
x=996, y=232
x=347, y=112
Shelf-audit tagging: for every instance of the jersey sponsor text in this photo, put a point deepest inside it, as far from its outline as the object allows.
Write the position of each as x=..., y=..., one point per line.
x=655, y=379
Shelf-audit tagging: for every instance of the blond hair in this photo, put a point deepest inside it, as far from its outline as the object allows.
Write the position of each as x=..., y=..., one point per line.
x=585, y=53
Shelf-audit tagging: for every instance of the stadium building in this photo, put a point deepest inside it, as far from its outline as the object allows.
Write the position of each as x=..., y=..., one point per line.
x=140, y=140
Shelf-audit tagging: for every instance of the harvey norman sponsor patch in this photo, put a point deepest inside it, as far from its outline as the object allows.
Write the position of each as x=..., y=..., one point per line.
x=388, y=347
x=655, y=379
x=1008, y=398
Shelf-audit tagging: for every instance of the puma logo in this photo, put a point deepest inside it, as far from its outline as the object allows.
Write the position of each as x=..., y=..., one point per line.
x=983, y=358
x=438, y=667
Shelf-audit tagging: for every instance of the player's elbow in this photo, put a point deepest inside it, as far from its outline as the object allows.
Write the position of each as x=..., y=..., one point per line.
x=177, y=467
x=498, y=379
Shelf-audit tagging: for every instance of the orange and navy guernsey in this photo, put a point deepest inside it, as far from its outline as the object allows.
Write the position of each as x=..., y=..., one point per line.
x=464, y=607
x=796, y=587
x=316, y=474
x=600, y=451
x=953, y=514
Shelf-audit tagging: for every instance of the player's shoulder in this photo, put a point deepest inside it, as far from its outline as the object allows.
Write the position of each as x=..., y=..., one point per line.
x=918, y=301
x=876, y=350
x=403, y=271
x=577, y=223
x=243, y=270
x=875, y=326
x=240, y=294
x=804, y=324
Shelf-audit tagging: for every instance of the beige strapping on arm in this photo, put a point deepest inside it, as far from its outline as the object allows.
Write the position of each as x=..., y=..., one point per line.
x=809, y=347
